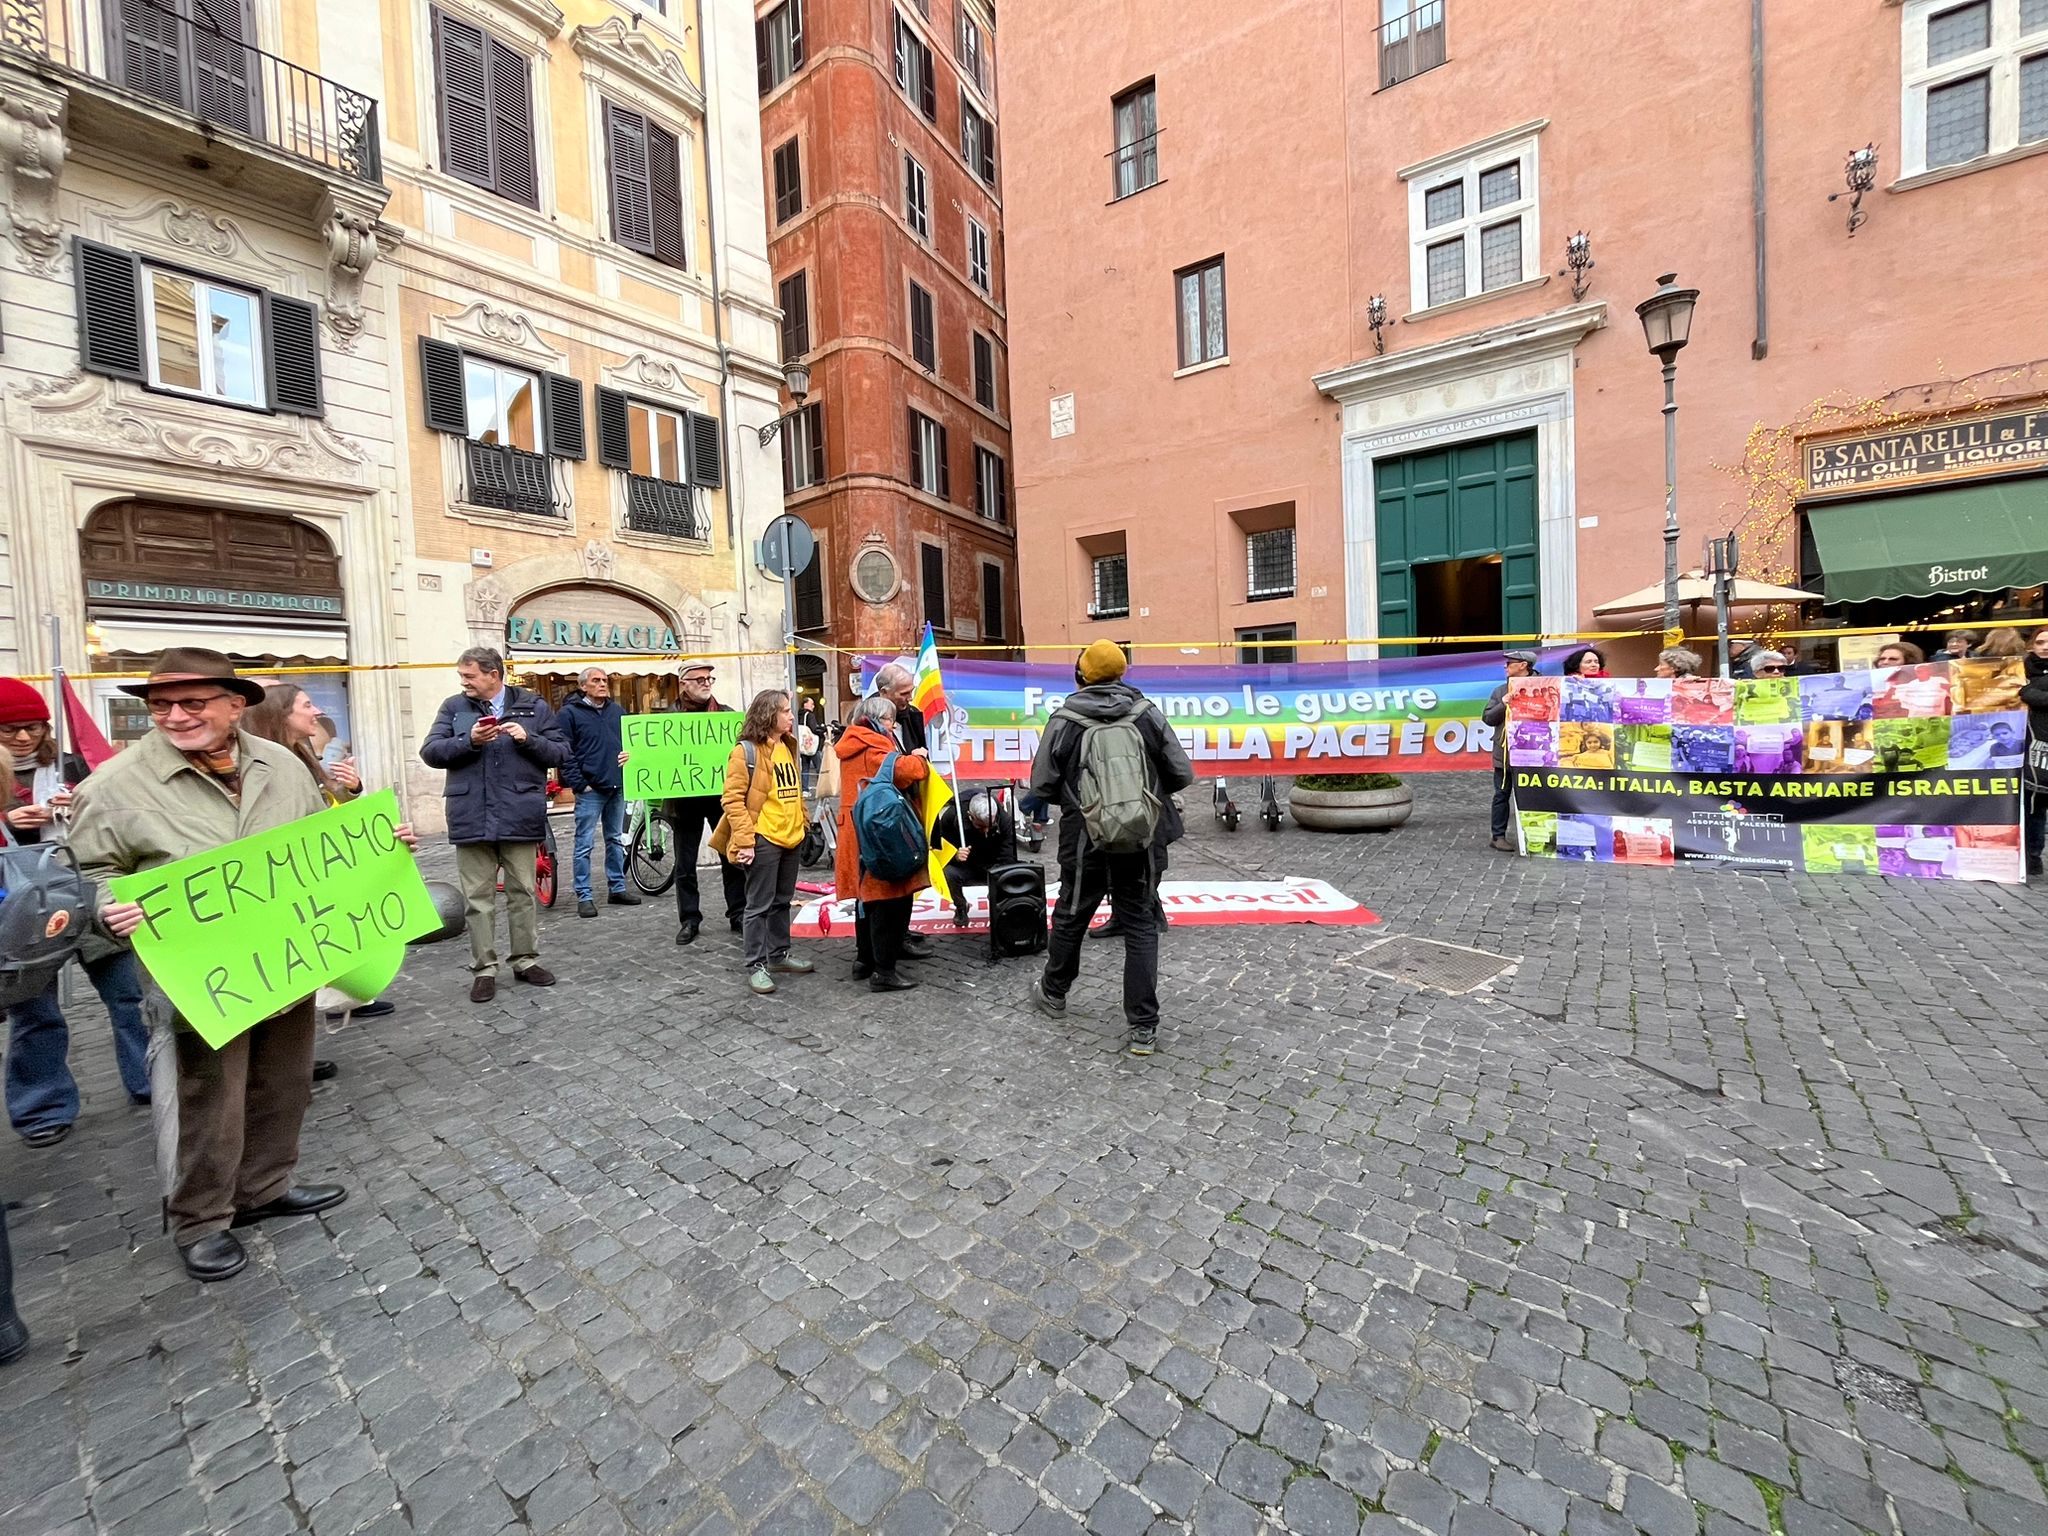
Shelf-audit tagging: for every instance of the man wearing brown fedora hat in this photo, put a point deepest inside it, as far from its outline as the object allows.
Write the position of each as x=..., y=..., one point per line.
x=196, y=781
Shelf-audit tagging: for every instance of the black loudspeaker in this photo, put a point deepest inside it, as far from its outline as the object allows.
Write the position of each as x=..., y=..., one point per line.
x=1016, y=909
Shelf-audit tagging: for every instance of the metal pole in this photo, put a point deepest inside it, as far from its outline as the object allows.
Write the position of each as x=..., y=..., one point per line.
x=57, y=716
x=789, y=619
x=1670, y=499
x=1721, y=584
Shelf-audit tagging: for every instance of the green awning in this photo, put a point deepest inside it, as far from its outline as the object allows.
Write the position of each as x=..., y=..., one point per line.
x=1973, y=538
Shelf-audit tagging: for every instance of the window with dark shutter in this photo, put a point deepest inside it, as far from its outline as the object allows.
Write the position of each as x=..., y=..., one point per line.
x=977, y=142
x=992, y=602
x=562, y=398
x=441, y=386
x=914, y=71
x=789, y=182
x=984, y=372
x=665, y=193
x=632, y=207
x=109, y=309
x=932, y=574
x=224, y=89
x=614, y=444
x=794, y=295
x=486, y=98
x=945, y=467
x=810, y=594
x=291, y=337
x=463, y=84
x=991, y=496
x=512, y=154
x=779, y=44
x=706, y=466
x=924, y=344
x=147, y=49
x=803, y=449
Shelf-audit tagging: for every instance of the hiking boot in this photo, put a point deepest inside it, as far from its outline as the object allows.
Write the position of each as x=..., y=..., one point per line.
x=1052, y=1007
x=1143, y=1040
x=761, y=983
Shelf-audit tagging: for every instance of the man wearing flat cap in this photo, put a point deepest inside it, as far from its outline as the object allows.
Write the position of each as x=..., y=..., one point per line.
x=196, y=781
x=1519, y=664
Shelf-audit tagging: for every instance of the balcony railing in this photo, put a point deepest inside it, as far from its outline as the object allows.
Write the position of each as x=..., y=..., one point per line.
x=1134, y=166
x=664, y=507
x=161, y=52
x=510, y=479
x=1412, y=43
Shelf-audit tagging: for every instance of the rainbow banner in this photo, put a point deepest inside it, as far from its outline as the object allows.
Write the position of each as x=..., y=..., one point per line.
x=1412, y=715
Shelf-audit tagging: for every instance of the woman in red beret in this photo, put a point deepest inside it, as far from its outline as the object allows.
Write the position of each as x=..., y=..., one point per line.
x=35, y=789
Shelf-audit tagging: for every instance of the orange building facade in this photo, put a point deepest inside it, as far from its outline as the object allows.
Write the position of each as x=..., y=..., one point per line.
x=1306, y=348
x=879, y=137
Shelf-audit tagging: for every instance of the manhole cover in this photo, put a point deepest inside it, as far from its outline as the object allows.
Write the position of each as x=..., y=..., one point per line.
x=1432, y=963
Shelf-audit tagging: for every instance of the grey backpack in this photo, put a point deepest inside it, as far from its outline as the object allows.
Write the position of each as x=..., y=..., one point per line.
x=46, y=906
x=1118, y=804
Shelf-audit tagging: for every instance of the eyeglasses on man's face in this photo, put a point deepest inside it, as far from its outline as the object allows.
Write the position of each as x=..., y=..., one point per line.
x=163, y=709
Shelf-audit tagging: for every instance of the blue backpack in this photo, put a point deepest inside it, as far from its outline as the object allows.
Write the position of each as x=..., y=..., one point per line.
x=886, y=829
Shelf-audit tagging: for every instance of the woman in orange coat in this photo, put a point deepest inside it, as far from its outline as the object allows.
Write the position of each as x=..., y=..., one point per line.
x=882, y=920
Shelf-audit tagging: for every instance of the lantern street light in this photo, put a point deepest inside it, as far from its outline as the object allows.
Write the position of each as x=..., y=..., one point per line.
x=1667, y=326
x=797, y=376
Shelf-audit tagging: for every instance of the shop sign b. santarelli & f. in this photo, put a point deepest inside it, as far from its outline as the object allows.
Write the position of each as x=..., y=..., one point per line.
x=1974, y=445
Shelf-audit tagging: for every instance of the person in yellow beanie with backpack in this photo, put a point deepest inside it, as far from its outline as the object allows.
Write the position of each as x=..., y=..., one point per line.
x=1111, y=761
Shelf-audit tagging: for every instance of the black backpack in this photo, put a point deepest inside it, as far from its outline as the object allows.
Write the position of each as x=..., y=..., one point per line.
x=46, y=906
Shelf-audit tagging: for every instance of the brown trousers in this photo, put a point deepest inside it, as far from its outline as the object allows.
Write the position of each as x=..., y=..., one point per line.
x=239, y=1113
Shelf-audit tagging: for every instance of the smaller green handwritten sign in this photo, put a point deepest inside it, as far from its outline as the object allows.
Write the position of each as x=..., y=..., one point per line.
x=243, y=931
x=674, y=755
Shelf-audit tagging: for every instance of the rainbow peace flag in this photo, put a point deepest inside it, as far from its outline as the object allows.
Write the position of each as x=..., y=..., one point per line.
x=929, y=691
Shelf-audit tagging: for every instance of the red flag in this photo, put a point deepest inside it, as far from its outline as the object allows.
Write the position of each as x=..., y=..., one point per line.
x=87, y=740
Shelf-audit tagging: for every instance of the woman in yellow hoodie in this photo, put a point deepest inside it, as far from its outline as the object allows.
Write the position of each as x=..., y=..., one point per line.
x=761, y=832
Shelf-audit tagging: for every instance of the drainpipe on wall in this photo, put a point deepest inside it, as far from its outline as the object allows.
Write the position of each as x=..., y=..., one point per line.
x=735, y=494
x=1761, y=345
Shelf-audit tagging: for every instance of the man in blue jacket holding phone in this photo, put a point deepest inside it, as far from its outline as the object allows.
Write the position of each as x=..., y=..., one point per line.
x=496, y=743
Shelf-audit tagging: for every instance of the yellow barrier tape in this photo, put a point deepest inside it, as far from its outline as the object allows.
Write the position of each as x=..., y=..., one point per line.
x=664, y=659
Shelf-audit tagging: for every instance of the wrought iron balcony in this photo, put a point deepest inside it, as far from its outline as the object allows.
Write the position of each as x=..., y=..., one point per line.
x=186, y=55
x=663, y=507
x=1412, y=43
x=510, y=479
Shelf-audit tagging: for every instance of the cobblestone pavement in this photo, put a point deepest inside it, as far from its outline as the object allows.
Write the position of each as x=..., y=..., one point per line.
x=1719, y=1213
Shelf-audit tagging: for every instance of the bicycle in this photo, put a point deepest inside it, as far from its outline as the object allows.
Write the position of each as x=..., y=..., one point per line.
x=543, y=869
x=650, y=850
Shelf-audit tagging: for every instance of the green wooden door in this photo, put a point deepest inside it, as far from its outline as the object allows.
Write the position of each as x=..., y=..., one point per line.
x=1466, y=502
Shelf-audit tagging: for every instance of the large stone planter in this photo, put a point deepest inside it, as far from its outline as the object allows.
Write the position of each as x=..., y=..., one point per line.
x=1351, y=810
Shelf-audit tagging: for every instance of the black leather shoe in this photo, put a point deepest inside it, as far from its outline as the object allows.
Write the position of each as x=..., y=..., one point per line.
x=687, y=934
x=299, y=1200
x=918, y=947
x=1113, y=929
x=535, y=976
x=325, y=1071
x=139, y=1100
x=623, y=899
x=738, y=923
x=48, y=1136
x=890, y=981
x=483, y=989
x=586, y=908
x=13, y=1340
x=214, y=1257
x=862, y=972
x=382, y=1007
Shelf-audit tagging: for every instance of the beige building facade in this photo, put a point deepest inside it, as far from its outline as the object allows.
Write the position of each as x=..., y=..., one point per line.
x=379, y=331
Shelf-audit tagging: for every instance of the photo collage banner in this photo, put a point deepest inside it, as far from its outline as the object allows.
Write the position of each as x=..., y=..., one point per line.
x=1895, y=771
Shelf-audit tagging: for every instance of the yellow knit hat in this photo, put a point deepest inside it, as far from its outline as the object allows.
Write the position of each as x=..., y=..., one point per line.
x=1102, y=662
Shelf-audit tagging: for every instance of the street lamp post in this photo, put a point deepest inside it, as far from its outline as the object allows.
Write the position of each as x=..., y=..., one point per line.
x=1667, y=326
x=797, y=376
